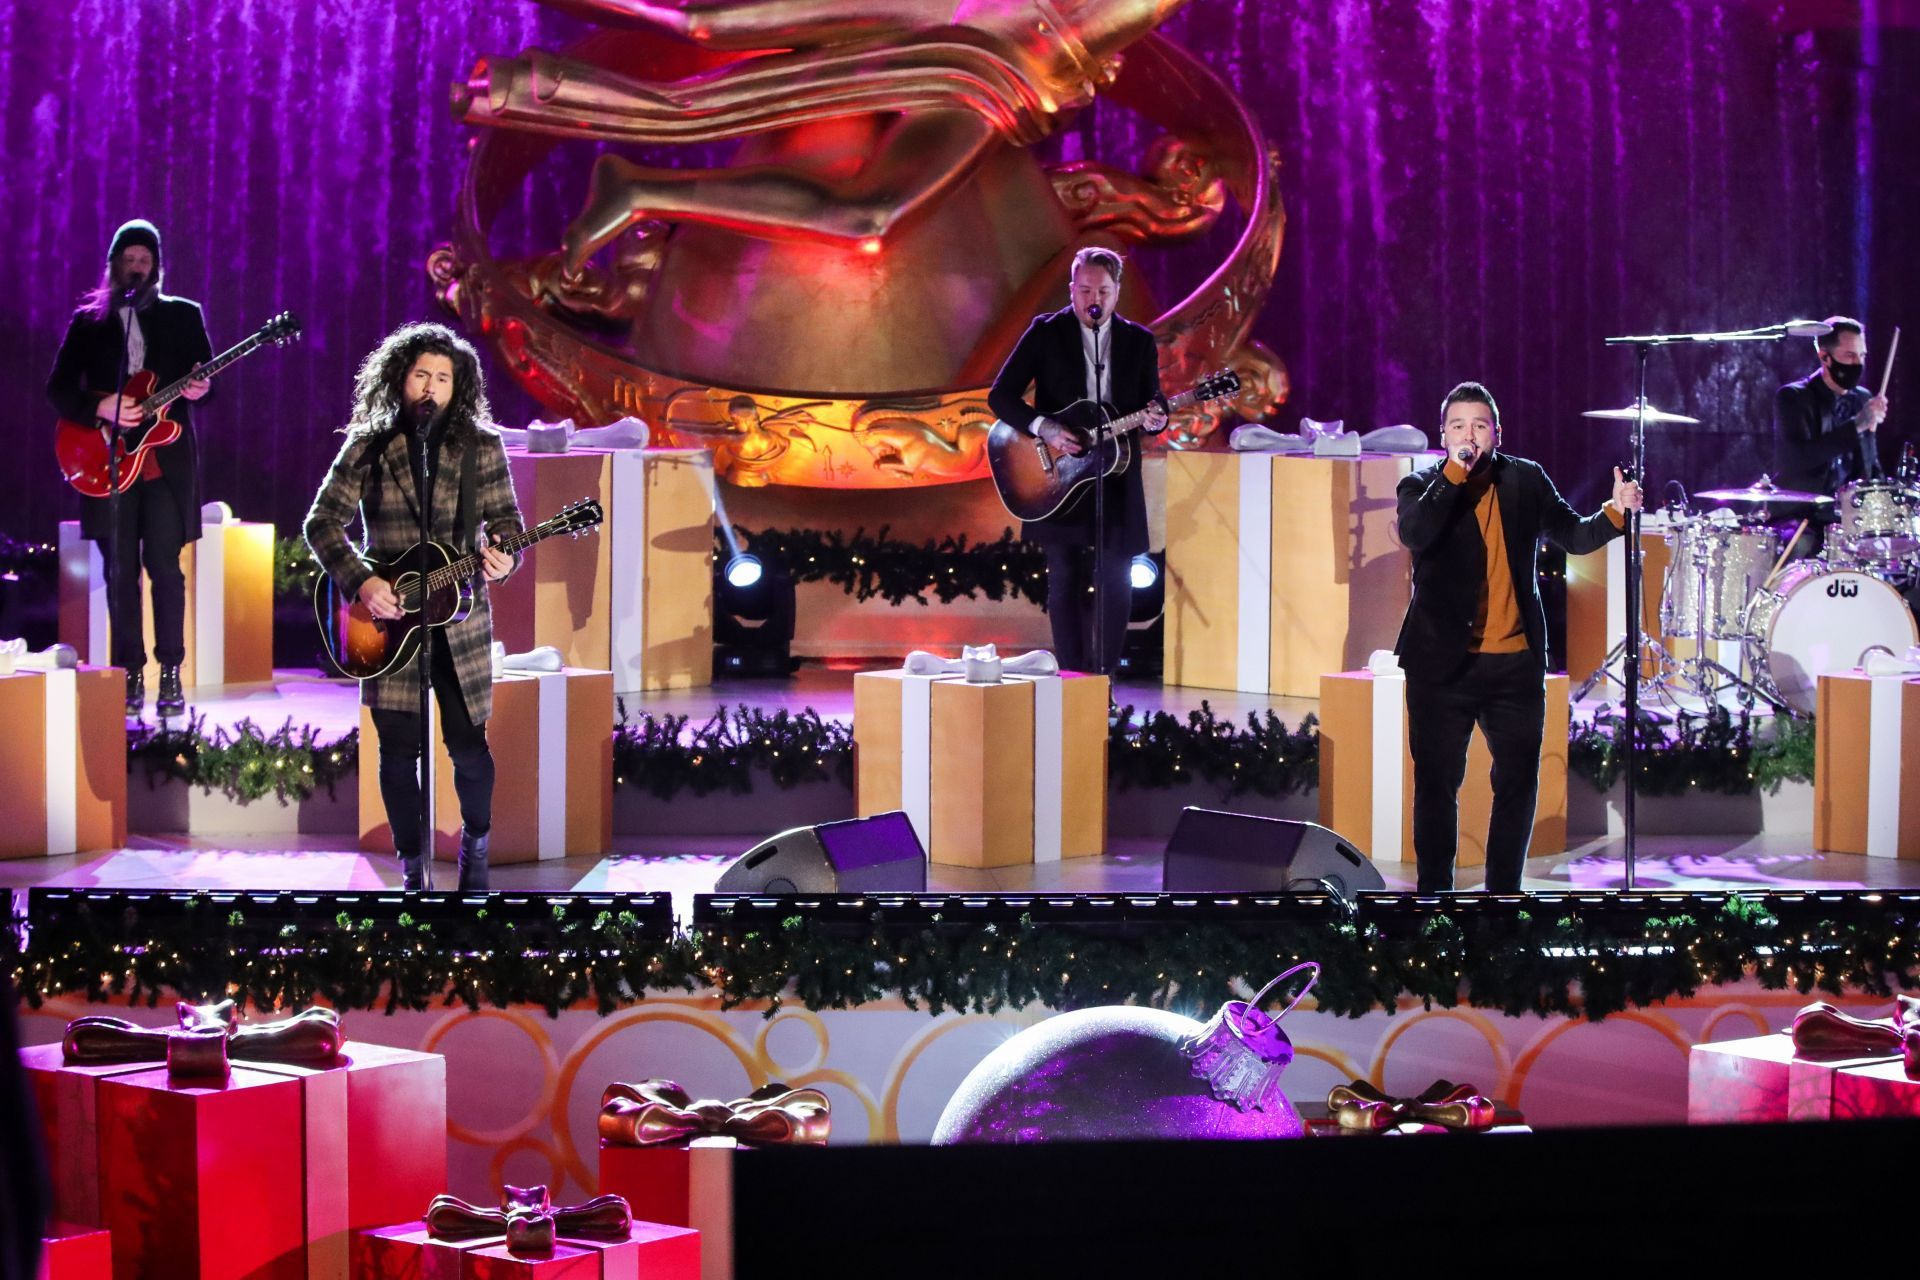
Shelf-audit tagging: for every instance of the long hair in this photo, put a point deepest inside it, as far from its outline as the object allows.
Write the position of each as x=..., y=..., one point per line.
x=377, y=387
x=97, y=302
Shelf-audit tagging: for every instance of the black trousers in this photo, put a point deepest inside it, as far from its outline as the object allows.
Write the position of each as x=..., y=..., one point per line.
x=1505, y=694
x=148, y=537
x=1070, y=606
x=400, y=742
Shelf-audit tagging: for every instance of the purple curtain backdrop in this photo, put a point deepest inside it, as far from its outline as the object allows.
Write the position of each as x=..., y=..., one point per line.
x=1475, y=190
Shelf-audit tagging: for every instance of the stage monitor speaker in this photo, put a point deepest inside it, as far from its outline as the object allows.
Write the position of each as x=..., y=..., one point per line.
x=1216, y=852
x=880, y=854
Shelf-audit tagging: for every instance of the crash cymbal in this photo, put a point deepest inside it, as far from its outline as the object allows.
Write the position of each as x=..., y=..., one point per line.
x=1763, y=493
x=1630, y=413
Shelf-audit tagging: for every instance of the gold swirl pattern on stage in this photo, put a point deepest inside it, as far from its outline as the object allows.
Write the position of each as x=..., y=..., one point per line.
x=828, y=307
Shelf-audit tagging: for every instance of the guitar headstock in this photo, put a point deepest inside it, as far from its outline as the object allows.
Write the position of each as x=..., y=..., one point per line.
x=576, y=518
x=1217, y=385
x=280, y=330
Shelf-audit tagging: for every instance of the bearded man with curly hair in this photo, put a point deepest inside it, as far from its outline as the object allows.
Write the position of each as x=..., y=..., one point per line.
x=420, y=400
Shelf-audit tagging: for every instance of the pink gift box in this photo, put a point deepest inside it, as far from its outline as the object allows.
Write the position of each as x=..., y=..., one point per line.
x=407, y=1252
x=352, y=1144
x=69, y=1252
x=1760, y=1080
x=1872, y=1091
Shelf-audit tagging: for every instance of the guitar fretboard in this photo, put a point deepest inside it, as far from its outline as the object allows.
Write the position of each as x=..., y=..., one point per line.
x=172, y=391
x=1137, y=419
x=466, y=566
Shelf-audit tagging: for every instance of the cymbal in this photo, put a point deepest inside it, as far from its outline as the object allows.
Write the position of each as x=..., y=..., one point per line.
x=1631, y=413
x=1763, y=495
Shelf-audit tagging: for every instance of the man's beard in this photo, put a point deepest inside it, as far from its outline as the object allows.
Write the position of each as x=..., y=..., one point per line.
x=426, y=415
x=146, y=289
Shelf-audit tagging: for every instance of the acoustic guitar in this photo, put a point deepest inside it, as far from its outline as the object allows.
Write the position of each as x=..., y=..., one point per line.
x=1036, y=480
x=365, y=647
x=82, y=448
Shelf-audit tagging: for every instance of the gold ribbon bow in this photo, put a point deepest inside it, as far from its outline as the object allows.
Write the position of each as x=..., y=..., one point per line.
x=206, y=1040
x=656, y=1113
x=527, y=1218
x=1822, y=1031
x=1452, y=1106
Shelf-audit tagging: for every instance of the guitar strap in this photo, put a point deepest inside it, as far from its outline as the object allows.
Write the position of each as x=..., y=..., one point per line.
x=468, y=517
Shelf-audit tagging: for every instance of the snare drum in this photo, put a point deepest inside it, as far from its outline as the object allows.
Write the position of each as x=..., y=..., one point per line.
x=1878, y=518
x=1734, y=559
x=1816, y=620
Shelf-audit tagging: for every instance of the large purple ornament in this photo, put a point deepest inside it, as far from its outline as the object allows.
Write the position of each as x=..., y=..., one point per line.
x=1127, y=1072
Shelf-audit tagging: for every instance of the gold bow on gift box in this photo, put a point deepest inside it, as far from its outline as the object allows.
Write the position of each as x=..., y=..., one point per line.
x=1451, y=1106
x=207, y=1038
x=1822, y=1031
x=528, y=1220
x=656, y=1113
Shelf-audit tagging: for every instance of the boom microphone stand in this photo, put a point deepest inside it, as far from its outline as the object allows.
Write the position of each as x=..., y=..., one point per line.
x=1100, y=438
x=115, y=452
x=423, y=477
x=1643, y=346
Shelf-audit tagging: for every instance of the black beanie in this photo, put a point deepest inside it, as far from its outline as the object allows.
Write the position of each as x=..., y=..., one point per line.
x=137, y=231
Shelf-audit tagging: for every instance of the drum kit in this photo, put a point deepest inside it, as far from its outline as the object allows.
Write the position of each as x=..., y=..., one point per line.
x=1781, y=622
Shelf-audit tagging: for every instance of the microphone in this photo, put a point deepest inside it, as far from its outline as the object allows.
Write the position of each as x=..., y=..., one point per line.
x=1806, y=328
x=1094, y=312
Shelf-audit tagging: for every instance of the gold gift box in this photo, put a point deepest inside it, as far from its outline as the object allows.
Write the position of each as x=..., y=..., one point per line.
x=95, y=771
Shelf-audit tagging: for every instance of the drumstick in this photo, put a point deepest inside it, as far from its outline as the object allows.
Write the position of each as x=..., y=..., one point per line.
x=1893, y=349
x=1784, y=553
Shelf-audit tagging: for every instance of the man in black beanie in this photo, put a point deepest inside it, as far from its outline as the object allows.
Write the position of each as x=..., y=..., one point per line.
x=159, y=512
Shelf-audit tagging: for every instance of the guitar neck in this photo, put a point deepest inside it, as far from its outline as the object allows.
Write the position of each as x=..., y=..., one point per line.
x=1137, y=419
x=173, y=390
x=468, y=565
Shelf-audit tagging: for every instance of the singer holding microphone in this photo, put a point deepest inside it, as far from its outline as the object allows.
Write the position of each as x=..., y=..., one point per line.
x=1828, y=424
x=1474, y=643
x=421, y=422
x=126, y=319
x=1086, y=351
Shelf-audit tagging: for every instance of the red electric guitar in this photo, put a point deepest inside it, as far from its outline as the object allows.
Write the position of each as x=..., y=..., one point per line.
x=82, y=449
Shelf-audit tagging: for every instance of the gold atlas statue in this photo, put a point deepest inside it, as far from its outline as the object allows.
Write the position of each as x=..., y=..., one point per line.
x=828, y=306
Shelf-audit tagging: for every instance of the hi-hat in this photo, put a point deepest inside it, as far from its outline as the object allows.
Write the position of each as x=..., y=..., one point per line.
x=1763, y=493
x=1632, y=413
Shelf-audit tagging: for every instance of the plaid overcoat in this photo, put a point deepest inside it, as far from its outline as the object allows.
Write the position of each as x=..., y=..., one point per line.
x=381, y=489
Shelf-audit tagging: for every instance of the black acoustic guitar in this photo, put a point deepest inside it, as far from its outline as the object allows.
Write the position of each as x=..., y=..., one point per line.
x=1035, y=481
x=363, y=646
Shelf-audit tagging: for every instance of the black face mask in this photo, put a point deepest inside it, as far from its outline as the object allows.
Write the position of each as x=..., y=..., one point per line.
x=1846, y=375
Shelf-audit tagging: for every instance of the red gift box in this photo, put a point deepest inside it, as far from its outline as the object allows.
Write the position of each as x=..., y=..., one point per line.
x=1760, y=1080
x=689, y=1186
x=70, y=1252
x=363, y=1138
x=407, y=1252
x=1872, y=1091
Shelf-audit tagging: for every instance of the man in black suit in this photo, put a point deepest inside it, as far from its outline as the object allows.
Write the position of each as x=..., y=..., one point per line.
x=1474, y=643
x=1086, y=352
x=160, y=512
x=1827, y=424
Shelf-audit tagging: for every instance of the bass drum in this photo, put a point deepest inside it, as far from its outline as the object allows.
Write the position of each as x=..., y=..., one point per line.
x=1817, y=620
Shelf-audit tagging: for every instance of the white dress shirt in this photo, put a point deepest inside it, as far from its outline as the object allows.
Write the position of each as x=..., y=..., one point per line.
x=1096, y=344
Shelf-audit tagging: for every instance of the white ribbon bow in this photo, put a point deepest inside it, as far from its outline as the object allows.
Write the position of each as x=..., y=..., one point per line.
x=1877, y=661
x=1254, y=438
x=1400, y=439
x=979, y=662
x=14, y=657
x=559, y=437
x=544, y=659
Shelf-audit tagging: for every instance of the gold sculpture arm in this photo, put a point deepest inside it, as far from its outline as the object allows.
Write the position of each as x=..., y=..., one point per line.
x=760, y=24
x=917, y=159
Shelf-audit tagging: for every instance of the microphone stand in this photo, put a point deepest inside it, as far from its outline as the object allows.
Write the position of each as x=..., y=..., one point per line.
x=115, y=444
x=1100, y=506
x=423, y=477
x=1643, y=346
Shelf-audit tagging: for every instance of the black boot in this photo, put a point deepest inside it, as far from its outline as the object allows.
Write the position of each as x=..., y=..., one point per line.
x=473, y=862
x=136, y=692
x=171, y=701
x=416, y=872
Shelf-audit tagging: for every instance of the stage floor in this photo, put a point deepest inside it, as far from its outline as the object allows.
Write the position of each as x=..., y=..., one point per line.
x=686, y=865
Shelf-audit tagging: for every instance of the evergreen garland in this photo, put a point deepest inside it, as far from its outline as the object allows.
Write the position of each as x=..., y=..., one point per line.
x=868, y=566
x=1160, y=750
x=1523, y=961
x=294, y=568
x=663, y=756
x=244, y=763
x=1710, y=752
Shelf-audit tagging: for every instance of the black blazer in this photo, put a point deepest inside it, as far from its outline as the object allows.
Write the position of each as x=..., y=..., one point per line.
x=1450, y=559
x=88, y=367
x=1817, y=447
x=1050, y=359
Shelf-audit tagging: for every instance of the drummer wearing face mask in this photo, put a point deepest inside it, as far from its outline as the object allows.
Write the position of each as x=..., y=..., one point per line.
x=1827, y=421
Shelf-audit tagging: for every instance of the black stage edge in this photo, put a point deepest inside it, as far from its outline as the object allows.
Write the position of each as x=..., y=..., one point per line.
x=1652, y=1201
x=653, y=912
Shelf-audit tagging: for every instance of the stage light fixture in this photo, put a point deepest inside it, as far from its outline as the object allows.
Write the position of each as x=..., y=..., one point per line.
x=1141, y=657
x=744, y=571
x=1143, y=573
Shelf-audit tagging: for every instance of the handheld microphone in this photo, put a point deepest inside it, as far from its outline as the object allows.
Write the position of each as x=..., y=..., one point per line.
x=1094, y=312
